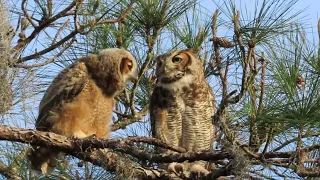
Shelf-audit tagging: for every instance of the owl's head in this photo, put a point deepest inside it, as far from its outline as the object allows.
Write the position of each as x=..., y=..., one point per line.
x=111, y=69
x=122, y=62
x=177, y=67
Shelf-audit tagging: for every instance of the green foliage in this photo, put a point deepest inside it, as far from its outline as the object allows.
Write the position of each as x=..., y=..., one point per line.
x=151, y=16
x=269, y=19
x=190, y=31
x=153, y=27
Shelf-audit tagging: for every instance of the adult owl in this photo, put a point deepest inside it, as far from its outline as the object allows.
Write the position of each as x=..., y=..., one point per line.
x=182, y=106
x=79, y=101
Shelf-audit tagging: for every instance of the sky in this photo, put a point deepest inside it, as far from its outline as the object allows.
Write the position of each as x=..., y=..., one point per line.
x=310, y=15
x=310, y=18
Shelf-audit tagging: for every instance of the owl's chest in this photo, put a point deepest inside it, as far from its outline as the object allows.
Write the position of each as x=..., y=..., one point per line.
x=100, y=105
x=183, y=97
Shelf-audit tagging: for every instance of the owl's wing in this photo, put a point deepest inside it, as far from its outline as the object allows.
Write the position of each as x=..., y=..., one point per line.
x=158, y=115
x=66, y=86
x=153, y=108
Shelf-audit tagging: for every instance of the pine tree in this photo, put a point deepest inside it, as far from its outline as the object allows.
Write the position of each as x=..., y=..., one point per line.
x=259, y=60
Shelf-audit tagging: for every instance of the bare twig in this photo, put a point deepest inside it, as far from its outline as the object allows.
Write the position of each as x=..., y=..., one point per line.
x=48, y=61
x=293, y=140
x=155, y=142
x=236, y=22
x=268, y=141
x=126, y=119
x=59, y=31
x=26, y=14
x=77, y=29
x=45, y=24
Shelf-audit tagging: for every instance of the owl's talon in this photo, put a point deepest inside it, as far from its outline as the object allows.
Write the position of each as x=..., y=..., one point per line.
x=93, y=136
x=74, y=138
x=78, y=135
x=176, y=168
x=197, y=171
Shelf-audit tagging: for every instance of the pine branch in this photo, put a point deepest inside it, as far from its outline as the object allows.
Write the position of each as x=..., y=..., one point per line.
x=111, y=160
x=8, y=173
x=49, y=21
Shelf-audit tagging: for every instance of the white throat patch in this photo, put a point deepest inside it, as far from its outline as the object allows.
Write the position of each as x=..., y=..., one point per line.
x=177, y=85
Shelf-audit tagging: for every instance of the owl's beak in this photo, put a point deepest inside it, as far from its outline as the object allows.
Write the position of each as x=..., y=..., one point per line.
x=134, y=77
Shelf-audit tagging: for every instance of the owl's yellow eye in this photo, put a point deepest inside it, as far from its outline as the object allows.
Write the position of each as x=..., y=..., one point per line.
x=176, y=59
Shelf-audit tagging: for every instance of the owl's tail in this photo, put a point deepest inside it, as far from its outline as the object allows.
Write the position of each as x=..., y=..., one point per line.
x=42, y=159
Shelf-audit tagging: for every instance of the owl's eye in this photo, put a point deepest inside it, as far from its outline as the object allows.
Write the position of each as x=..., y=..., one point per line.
x=176, y=59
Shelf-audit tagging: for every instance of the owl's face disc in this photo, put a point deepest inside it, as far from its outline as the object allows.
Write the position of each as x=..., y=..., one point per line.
x=172, y=67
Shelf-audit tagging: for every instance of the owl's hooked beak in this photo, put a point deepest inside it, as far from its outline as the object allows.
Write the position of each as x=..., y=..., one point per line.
x=134, y=78
x=179, y=75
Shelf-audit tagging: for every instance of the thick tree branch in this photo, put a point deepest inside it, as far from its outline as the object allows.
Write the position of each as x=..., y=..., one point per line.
x=110, y=159
x=66, y=145
x=120, y=164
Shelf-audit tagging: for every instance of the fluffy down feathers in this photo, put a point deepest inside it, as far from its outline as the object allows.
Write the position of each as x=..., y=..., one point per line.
x=79, y=101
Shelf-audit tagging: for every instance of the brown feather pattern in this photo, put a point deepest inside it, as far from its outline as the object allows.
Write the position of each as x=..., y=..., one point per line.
x=181, y=109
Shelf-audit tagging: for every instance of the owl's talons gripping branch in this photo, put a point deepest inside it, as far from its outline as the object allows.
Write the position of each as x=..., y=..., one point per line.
x=75, y=137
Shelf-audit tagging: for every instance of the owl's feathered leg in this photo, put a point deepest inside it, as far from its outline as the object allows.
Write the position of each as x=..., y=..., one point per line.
x=188, y=135
x=203, y=136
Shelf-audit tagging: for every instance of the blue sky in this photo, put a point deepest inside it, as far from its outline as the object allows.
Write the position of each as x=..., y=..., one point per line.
x=310, y=15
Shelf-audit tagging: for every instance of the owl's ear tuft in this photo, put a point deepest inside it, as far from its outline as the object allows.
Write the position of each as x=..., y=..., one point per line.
x=126, y=65
x=194, y=51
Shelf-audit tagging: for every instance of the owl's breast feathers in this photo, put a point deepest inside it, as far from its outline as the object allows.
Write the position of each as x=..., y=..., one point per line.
x=165, y=102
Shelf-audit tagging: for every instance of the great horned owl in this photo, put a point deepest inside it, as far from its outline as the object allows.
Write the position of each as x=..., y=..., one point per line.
x=182, y=106
x=79, y=101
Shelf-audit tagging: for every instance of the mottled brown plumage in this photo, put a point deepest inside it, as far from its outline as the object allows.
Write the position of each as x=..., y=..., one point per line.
x=182, y=106
x=79, y=101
